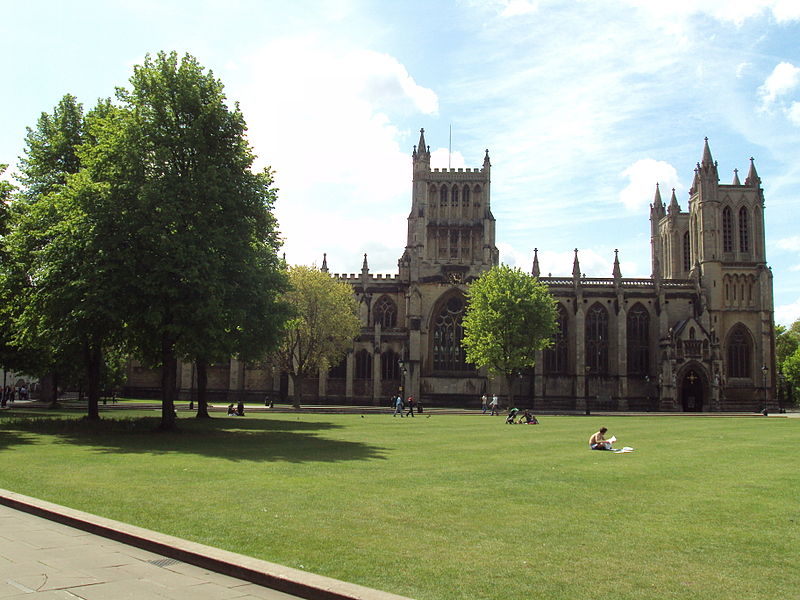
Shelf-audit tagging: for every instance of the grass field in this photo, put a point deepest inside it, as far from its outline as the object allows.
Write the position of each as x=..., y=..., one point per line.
x=453, y=506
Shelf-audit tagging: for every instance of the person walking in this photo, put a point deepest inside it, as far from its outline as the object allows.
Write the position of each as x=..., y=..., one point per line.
x=398, y=406
x=484, y=404
x=494, y=405
x=410, y=406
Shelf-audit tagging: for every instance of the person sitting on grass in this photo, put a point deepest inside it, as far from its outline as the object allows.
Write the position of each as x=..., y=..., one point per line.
x=598, y=440
x=512, y=414
x=231, y=410
x=528, y=419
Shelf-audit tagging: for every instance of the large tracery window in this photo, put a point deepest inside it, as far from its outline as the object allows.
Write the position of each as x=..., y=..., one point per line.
x=739, y=352
x=386, y=312
x=727, y=230
x=363, y=364
x=597, y=340
x=390, y=365
x=638, y=341
x=448, y=354
x=556, y=356
x=744, y=230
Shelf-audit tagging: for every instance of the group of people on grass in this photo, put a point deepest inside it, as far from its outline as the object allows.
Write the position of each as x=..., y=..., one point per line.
x=410, y=403
x=237, y=411
x=11, y=393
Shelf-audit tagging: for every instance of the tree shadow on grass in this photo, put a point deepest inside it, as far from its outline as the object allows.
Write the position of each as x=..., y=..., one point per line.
x=237, y=440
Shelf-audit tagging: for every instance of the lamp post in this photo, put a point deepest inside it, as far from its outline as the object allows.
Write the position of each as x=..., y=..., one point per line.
x=402, y=365
x=764, y=370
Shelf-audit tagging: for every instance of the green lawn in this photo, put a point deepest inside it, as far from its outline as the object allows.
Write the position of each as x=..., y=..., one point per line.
x=451, y=506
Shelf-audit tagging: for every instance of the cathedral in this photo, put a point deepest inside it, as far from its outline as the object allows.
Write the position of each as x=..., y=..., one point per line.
x=695, y=336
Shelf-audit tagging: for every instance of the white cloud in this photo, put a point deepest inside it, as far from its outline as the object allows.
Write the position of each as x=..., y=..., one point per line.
x=793, y=113
x=731, y=11
x=320, y=115
x=741, y=69
x=787, y=314
x=790, y=243
x=440, y=159
x=513, y=8
x=643, y=176
x=783, y=79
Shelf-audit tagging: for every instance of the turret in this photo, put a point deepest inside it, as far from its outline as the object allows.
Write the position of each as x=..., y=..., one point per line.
x=674, y=208
x=753, y=180
x=576, y=267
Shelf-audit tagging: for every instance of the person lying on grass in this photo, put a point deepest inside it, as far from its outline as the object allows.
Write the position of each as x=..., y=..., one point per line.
x=598, y=440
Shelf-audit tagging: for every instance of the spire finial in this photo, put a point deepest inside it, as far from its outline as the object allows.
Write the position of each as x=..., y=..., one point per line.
x=365, y=266
x=576, y=267
x=535, y=269
x=617, y=272
x=324, y=267
x=674, y=208
x=752, y=177
x=736, y=177
x=421, y=150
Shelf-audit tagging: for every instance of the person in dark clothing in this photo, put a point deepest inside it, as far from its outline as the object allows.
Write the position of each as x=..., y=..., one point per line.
x=410, y=406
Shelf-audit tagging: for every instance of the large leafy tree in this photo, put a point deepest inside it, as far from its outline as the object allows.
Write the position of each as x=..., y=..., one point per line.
x=510, y=316
x=324, y=323
x=62, y=276
x=194, y=222
x=787, y=351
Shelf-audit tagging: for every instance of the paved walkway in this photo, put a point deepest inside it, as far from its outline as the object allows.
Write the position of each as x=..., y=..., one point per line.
x=45, y=558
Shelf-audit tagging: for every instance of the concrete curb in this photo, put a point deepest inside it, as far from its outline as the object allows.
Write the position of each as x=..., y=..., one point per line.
x=267, y=574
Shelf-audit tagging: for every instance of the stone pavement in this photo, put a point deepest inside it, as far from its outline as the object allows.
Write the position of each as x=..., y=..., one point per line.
x=49, y=559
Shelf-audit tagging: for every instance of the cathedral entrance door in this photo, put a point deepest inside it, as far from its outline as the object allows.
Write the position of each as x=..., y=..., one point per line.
x=692, y=392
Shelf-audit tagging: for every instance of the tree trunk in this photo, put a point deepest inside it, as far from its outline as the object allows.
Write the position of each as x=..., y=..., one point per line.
x=54, y=398
x=169, y=377
x=94, y=357
x=202, y=387
x=510, y=382
x=297, y=396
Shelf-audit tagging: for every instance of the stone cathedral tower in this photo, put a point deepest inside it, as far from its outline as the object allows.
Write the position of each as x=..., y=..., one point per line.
x=719, y=244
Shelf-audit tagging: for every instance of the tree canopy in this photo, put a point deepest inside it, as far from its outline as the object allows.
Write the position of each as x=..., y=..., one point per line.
x=787, y=355
x=510, y=316
x=143, y=225
x=323, y=325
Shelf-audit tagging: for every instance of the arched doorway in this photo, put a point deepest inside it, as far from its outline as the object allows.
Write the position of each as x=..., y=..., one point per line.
x=693, y=390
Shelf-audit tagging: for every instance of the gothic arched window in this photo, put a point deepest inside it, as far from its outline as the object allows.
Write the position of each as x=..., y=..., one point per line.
x=390, y=367
x=739, y=352
x=744, y=230
x=727, y=230
x=638, y=341
x=454, y=196
x=443, y=196
x=465, y=196
x=556, y=357
x=597, y=340
x=386, y=312
x=687, y=257
x=448, y=355
x=363, y=364
x=339, y=371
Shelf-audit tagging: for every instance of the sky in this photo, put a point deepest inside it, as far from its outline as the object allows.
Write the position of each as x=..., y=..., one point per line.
x=583, y=105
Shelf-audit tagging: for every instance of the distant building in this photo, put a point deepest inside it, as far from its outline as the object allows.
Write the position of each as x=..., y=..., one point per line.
x=695, y=336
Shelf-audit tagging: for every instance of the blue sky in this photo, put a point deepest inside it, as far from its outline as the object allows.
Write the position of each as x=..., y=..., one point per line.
x=583, y=106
